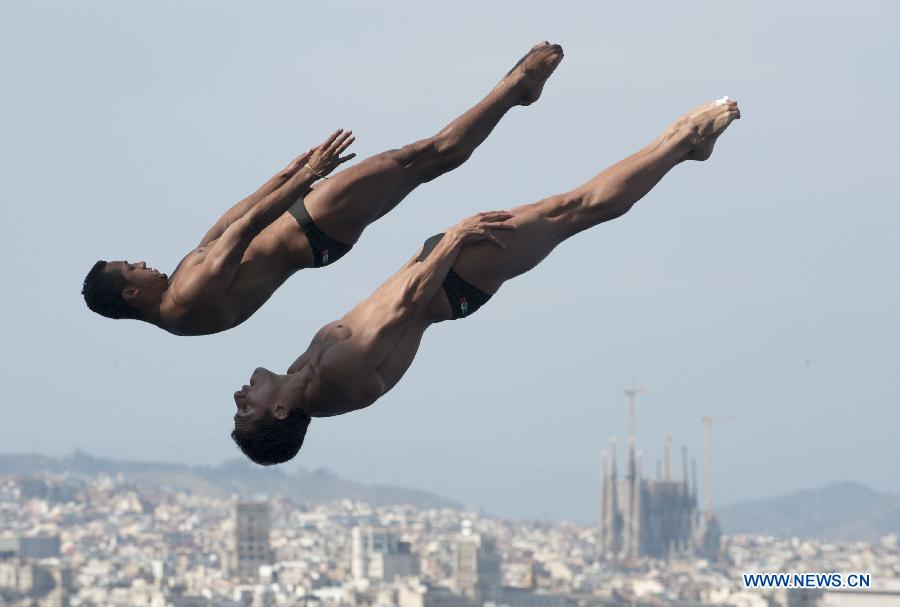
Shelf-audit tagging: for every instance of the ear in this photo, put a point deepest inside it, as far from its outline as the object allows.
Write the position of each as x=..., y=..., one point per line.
x=130, y=293
x=280, y=412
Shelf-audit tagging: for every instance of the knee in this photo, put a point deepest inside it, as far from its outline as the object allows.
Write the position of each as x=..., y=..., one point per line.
x=448, y=149
x=575, y=211
x=563, y=206
x=433, y=157
x=601, y=205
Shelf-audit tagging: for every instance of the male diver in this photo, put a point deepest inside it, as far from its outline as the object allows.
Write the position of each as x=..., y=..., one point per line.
x=286, y=226
x=354, y=361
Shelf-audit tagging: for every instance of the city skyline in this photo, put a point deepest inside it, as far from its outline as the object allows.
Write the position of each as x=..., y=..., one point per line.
x=762, y=284
x=110, y=541
x=856, y=512
x=664, y=458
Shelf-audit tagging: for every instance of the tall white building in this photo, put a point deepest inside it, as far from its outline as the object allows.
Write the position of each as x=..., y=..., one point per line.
x=476, y=567
x=250, y=547
x=378, y=554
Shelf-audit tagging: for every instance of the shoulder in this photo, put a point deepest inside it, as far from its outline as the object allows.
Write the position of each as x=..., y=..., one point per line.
x=188, y=261
x=185, y=277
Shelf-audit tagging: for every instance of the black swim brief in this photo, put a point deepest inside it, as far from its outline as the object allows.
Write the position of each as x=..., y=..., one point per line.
x=464, y=299
x=325, y=249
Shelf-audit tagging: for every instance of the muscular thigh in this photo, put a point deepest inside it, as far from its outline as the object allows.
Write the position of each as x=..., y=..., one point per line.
x=347, y=202
x=541, y=226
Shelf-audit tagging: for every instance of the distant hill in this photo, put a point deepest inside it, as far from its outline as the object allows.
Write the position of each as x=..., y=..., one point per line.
x=236, y=476
x=840, y=512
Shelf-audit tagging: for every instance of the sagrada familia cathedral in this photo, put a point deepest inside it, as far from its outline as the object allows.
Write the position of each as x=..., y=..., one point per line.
x=657, y=518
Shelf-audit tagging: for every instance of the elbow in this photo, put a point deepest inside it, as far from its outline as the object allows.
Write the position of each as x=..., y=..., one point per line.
x=247, y=226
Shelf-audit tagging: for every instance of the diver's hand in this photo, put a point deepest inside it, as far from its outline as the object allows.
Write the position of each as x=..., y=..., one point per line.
x=483, y=226
x=327, y=157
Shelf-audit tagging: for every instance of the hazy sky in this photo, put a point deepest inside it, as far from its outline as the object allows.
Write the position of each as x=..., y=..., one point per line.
x=763, y=284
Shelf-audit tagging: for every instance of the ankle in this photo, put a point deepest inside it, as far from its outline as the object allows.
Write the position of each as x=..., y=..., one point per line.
x=679, y=137
x=505, y=95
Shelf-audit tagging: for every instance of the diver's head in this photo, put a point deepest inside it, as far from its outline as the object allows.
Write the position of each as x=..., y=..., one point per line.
x=266, y=428
x=118, y=289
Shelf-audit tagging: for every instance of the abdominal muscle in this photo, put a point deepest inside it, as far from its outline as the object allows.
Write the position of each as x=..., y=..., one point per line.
x=398, y=344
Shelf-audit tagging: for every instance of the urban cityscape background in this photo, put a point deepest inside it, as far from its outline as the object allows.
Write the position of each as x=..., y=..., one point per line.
x=82, y=531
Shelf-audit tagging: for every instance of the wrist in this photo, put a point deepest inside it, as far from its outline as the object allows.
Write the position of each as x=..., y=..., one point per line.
x=452, y=235
x=457, y=237
x=314, y=172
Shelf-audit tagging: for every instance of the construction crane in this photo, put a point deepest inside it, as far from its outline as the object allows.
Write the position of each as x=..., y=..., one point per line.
x=668, y=456
x=708, y=423
x=632, y=393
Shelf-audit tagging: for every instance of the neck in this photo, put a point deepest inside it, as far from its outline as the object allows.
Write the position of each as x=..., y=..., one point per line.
x=296, y=388
x=149, y=308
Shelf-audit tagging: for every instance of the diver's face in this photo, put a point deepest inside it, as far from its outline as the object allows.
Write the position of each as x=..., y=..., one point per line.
x=257, y=399
x=138, y=274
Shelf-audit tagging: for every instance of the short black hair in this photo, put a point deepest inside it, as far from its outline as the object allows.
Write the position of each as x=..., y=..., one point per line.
x=272, y=440
x=102, y=292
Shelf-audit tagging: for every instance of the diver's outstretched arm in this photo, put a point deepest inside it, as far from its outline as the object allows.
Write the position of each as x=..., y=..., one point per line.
x=275, y=183
x=209, y=281
x=241, y=208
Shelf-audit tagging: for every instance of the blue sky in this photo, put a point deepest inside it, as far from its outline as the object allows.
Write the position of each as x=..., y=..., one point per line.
x=763, y=284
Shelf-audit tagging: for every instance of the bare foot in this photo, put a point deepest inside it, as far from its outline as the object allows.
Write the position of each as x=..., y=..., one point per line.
x=703, y=126
x=527, y=77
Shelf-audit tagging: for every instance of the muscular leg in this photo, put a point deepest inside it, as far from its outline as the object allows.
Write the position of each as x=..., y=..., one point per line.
x=546, y=223
x=346, y=203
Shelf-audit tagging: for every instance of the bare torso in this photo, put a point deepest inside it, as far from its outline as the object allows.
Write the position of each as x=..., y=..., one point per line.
x=274, y=255
x=357, y=359
x=341, y=207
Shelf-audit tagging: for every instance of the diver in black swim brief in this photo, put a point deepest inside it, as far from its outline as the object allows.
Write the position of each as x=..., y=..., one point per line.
x=355, y=360
x=325, y=249
x=255, y=247
x=464, y=298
